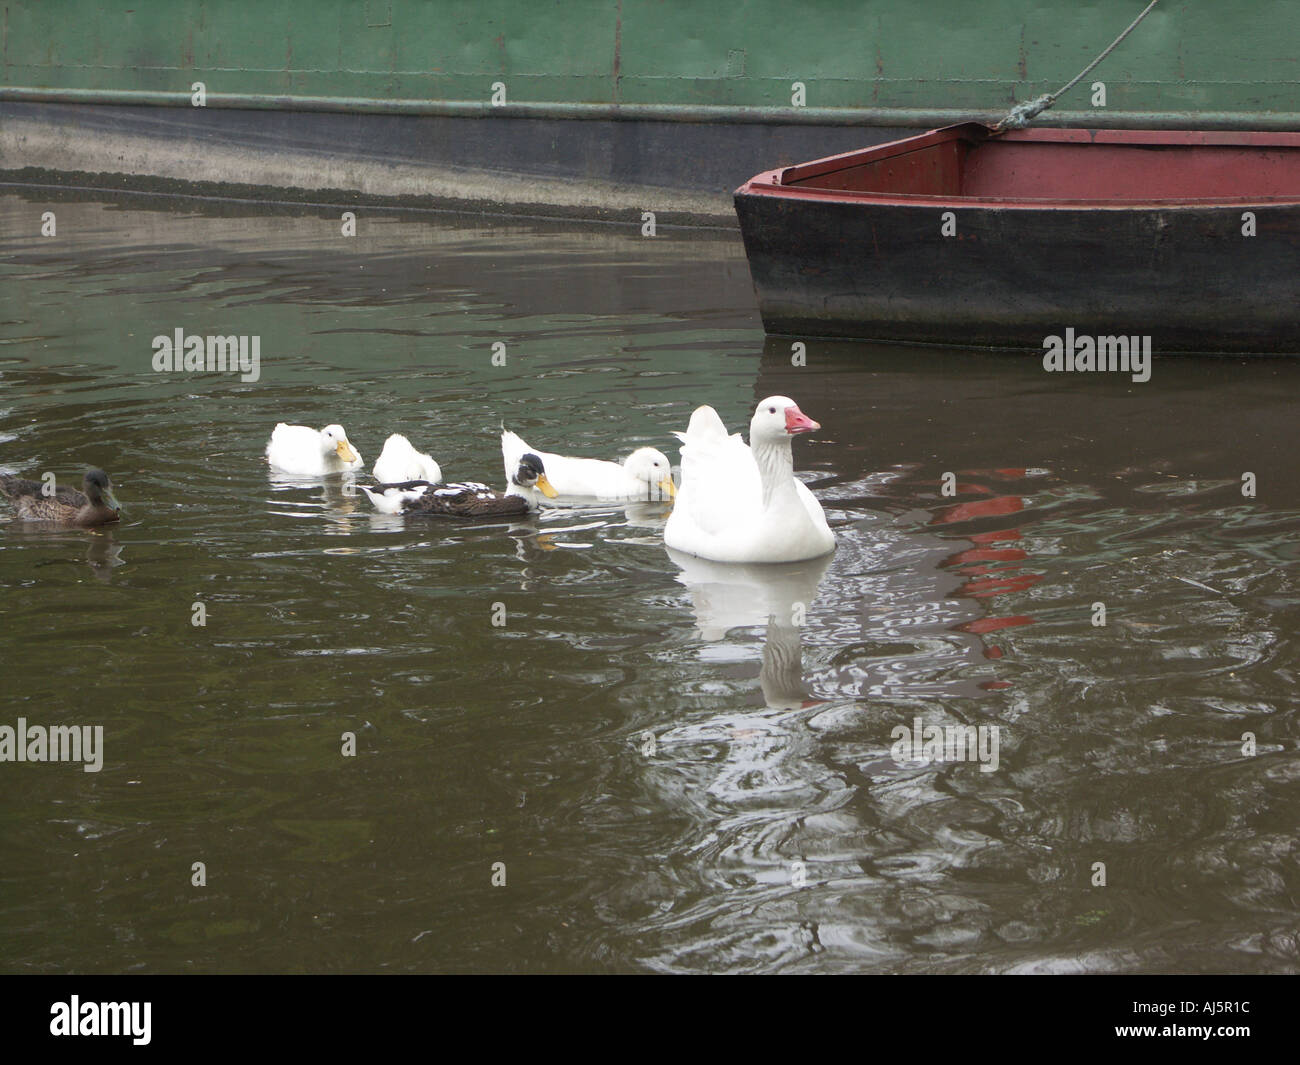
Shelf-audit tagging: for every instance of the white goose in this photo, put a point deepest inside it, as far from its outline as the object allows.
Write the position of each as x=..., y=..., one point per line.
x=308, y=452
x=646, y=473
x=400, y=462
x=741, y=505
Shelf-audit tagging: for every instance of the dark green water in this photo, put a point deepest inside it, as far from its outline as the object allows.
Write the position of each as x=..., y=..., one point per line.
x=768, y=743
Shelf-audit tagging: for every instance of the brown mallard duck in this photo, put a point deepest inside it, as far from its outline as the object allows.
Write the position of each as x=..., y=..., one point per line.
x=464, y=499
x=95, y=504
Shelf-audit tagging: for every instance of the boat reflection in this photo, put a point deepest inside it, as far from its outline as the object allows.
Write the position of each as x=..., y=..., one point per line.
x=989, y=564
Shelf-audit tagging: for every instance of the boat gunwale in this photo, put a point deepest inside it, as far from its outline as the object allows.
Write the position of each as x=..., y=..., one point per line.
x=778, y=182
x=756, y=187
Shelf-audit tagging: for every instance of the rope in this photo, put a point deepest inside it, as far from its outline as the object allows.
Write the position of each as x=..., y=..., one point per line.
x=1022, y=114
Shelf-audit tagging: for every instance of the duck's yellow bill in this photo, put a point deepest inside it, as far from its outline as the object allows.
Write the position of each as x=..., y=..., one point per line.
x=546, y=487
x=345, y=452
x=668, y=488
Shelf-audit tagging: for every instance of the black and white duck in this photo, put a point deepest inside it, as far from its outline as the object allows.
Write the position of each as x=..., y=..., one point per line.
x=95, y=504
x=464, y=499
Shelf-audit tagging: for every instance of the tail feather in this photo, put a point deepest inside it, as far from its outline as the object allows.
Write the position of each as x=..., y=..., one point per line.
x=513, y=448
x=709, y=453
x=705, y=425
x=15, y=487
x=393, y=498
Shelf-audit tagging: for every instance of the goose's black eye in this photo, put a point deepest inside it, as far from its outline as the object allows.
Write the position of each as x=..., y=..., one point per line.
x=771, y=410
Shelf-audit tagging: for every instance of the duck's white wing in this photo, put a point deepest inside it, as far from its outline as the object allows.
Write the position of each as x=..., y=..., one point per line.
x=720, y=480
x=289, y=440
x=588, y=477
x=391, y=466
x=427, y=469
x=295, y=449
x=399, y=462
x=810, y=503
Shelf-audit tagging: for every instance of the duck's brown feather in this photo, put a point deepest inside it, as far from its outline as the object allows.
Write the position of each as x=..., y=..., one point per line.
x=468, y=500
x=67, y=505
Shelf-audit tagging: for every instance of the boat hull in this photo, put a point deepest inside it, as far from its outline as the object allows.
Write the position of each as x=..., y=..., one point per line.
x=1004, y=274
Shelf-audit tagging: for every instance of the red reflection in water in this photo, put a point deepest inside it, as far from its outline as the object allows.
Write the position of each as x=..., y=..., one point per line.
x=986, y=566
x=982, y=625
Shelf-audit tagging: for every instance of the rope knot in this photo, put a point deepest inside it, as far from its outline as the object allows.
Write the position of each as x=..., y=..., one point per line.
x=1022, y=114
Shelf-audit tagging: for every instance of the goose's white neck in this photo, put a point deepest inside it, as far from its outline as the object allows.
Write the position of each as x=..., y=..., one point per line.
x=775, y=461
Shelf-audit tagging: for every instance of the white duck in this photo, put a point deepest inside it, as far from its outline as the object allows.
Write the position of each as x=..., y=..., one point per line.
x=645, y=474
x=302, y=450
x=741, y=505
x=400, y=462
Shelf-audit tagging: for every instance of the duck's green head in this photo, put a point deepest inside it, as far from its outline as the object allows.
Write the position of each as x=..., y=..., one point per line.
x=99, y=489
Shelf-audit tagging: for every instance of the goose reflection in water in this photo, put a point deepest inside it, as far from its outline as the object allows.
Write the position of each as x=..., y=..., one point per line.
x=727, y=596
x=761, y=753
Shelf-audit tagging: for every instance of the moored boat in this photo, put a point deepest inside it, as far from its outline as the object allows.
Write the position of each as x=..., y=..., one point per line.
x=966, y=236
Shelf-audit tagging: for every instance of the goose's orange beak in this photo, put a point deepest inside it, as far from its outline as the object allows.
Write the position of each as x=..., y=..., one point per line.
x=796, y=421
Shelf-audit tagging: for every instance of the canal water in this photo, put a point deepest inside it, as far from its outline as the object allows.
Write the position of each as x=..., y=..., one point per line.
x=651, y=763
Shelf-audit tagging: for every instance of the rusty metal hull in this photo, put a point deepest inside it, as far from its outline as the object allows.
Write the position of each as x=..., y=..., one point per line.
x=838, y=248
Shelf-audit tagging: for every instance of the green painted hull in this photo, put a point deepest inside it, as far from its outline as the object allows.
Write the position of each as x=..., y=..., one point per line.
x=590, y=108
x=871, y=56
